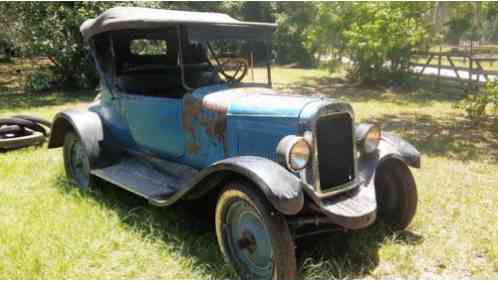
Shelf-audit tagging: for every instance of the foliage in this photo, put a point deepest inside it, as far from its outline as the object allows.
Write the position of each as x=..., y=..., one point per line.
x=37, y=81
x=377, y=37
x=457, y=28
x=289, y=40
x=482, y=103
x=471, y=21
x=52, y=30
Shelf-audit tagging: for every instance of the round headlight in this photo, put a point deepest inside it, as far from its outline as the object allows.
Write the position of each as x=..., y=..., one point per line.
x=367, y=137
x=371, y=140
x=293, y=152
x=299, y=155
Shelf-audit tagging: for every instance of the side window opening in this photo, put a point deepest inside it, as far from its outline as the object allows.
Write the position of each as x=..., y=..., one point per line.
x=147, y=63
x=148, y=47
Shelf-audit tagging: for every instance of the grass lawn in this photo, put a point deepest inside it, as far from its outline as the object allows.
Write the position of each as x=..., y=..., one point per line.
x=49, y=229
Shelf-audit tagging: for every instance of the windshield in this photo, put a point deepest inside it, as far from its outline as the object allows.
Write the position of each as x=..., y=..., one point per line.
x=231, y=61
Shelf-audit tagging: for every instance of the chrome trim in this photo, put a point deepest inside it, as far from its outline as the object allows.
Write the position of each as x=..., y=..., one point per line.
x=312, y=173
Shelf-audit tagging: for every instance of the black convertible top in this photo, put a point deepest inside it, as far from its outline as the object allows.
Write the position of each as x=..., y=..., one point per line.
x=126, y=18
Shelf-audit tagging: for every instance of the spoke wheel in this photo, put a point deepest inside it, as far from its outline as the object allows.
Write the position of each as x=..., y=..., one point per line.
x=76, y=161
x=254, y=238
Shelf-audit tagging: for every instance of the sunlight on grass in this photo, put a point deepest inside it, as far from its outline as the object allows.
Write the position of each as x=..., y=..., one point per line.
x=51, y=230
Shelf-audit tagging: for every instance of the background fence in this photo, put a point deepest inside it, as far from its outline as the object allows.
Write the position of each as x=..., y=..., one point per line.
x=467, y=52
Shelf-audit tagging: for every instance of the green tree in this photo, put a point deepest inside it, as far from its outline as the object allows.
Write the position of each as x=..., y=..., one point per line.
x=52, y=30
x=377, y=37
x=293, y=19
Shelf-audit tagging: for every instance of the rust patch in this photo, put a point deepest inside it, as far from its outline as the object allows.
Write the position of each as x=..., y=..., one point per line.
x=191, y=111
x=214, y=126
x=193, y=148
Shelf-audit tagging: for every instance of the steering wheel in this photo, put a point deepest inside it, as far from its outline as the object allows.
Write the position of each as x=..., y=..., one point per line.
x=233, y=69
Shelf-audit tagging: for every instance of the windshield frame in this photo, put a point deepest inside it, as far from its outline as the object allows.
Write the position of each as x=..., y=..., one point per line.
x=225, y=32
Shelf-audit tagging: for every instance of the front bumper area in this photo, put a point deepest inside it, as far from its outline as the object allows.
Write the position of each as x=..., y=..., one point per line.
x=357, y=208
x=353, y=209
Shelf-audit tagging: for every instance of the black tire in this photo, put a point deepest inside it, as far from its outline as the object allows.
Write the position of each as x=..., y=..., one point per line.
x=34, y=119
x=20, y=141
x=10, y=129
x=396, y=194
x=282, y=255
x=23, y=123
x=83, y=178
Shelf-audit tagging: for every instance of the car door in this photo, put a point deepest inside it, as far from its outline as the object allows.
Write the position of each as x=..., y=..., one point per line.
x=147, y=77
x=155, y=123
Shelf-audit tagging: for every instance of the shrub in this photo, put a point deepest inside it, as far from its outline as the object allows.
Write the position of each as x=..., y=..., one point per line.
x=377, y=37
x=38, y=81
x=482, y=103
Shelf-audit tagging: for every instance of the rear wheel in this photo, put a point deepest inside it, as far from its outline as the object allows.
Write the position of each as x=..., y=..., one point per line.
x=76, y=162
x=396, y=194
x=254, y=237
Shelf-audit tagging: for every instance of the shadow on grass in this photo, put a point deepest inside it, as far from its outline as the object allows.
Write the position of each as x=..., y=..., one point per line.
x=452, y=137
x=348, y=255
x=18, y=102
x=180, y=227
x=340, y=255
x=340, y=88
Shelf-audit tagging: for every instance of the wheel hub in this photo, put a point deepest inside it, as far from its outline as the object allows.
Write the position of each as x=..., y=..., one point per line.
x=247, y=241
x=250, y=241
x=79, y=164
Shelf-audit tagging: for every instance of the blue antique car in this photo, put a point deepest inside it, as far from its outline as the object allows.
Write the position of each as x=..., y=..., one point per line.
x=181, y=115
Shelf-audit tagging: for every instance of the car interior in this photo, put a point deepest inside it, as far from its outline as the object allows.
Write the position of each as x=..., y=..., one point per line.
x=146, y=63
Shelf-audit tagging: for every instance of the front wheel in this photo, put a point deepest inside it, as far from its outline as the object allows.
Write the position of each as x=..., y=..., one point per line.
x=252, y=236
x=76, y=162
x=396, y=194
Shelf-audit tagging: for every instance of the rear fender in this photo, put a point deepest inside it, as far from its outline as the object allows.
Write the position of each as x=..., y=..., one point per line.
x=86, y=124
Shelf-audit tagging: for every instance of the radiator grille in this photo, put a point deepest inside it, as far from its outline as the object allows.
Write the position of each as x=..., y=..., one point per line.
x=334, y=136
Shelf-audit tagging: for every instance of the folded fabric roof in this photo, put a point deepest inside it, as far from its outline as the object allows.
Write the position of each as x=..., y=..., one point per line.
x=121, y=18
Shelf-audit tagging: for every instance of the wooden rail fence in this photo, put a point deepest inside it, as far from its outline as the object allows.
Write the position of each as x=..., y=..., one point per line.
x=469, y=75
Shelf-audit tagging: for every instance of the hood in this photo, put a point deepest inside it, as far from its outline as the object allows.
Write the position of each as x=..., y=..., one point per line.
x=251, y=101
x=207, y=116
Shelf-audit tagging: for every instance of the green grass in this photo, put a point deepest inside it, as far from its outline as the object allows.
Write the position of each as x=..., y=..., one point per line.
x=48, y=229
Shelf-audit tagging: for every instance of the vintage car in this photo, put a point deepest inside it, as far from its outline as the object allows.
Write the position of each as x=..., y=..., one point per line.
x=186, y=111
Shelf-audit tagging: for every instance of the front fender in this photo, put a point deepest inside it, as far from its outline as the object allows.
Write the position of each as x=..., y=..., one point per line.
x=86, y=124
x=391, y=145
x=282, y=188
x=357, y=209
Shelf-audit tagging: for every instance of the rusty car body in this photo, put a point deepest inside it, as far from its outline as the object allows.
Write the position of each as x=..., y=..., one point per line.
x=177, y=120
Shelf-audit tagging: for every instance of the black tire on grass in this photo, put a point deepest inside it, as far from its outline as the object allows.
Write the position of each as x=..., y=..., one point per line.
x=34, y=119
x=81, y=180
x=23, y=123
x=396, y=194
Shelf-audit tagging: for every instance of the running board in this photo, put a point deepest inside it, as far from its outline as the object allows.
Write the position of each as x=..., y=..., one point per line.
x=145, y=179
